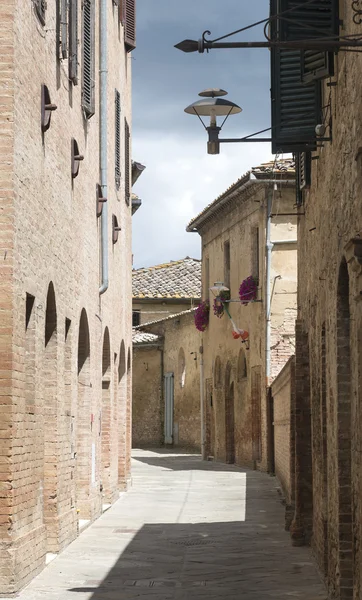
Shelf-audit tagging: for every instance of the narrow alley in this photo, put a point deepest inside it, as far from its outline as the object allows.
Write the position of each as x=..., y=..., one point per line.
x=187, y=529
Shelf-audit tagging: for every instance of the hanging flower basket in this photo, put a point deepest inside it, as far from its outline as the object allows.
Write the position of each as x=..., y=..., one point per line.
x=248, y=290
x=201, y=316
x=219, y=308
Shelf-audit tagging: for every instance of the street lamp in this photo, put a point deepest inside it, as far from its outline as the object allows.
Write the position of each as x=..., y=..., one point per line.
x=213, y=106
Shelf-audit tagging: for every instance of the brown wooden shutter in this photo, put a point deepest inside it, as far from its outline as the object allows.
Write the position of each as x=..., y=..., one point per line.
x=127, y=160
x=73, y=41
x=117, y=139
x=88, y=58
x=128, y=17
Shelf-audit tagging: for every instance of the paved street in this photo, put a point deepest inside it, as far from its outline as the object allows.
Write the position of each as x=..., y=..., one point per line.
x=186, y=530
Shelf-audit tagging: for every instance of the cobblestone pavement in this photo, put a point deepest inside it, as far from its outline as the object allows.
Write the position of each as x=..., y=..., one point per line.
x=187, y=530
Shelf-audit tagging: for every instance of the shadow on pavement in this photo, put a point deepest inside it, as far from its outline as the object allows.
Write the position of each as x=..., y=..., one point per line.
x=190, y=462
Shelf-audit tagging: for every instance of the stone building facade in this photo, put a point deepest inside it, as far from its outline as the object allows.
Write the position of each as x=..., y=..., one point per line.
x=65, y=314
x=165, y=289
x=166, y=363
x=251, y=229
x=329, y=336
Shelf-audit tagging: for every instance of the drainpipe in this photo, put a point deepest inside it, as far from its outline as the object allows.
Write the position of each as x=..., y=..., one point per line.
x=269, y=248
x=202, y=439
x=103, y=142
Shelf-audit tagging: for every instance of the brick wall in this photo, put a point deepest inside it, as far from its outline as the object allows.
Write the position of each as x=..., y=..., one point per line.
x=148, y=410
x=50, y=436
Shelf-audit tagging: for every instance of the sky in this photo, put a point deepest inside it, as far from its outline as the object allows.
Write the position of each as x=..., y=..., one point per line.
x=180, y=177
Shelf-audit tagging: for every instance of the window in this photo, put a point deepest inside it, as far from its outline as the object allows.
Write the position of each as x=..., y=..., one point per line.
x=40, y=9
x=293, y=123
x=207, y=280
x=88, y=58
x=217, y=372
x=227, y=264
x=117, y=141
x=255, y=265
x=62, y=29
x=73, y=41
x=242, y=366
x=136, y=318
x=182, y=367
x=128, y=18
x=303, y=164
x=127, y=161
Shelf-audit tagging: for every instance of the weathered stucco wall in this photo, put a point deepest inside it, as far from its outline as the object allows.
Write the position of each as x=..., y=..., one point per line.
x=180, y=356
x=147, y=397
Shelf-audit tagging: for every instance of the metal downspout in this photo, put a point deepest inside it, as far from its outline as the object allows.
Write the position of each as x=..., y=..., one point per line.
x=103, y=142
x=202, y=415
x=269, y=247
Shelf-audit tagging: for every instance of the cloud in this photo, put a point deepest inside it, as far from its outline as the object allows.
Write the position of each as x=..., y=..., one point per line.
x=180, y=180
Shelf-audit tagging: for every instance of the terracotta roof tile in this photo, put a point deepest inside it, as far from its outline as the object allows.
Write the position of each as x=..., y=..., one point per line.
x=169, y=318
x=140, y=337
x=176, y=279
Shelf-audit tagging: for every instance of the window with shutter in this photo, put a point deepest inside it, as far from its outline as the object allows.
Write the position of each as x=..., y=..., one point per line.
x=128, y=18
x=296, y=108
x=303, y=165
x=40, y=9
x=117, y=154
x=310, y=20
x=62, y=29
x=127, y=161
x=88, y=58
x=73, y=41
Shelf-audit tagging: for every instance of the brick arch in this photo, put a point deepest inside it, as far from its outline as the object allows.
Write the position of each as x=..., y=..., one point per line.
x=229, y=416
x=50, y=314
x=122, y=362
x=51, y=422
x=83, y=457
x=344, y=417
x=217, y=372
x=242, y=370
x=106, y=419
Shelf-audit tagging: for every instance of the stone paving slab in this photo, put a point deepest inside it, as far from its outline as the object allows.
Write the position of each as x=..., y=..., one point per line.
x=187, y=530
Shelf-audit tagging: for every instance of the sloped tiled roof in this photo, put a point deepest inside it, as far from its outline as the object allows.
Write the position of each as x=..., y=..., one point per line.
x=169, y=318
x=283, y=168
x=176, y=279
x=140, y=337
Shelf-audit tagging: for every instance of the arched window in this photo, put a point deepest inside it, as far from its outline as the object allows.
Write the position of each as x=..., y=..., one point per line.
x=242, y=366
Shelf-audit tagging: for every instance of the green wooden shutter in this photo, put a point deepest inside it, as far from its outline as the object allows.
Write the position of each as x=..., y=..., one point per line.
x=129, y=24
x=127, y=161
x=73, y=41
x=62, y=29
x=88, y=58
x=310, y=20
x=296, y=108
x=40, y=9
x=303, y=169
x=117, y=132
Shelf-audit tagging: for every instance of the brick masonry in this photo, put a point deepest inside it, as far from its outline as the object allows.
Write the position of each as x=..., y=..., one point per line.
x=330, y=312
x=54, y=327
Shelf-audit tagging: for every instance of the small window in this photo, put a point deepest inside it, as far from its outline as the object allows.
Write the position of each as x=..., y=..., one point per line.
x=117, y=142
x=217, y=372
x=127, y=162
x=40, y=9
x=136, y=318
x=28, y=309
x=73, y=41
x=128, y=19
x=206, y=294
x=242, y=367
x=255, y=264
x=182, y=367
x=88, y=59
x=227, y=264
x=303, y=165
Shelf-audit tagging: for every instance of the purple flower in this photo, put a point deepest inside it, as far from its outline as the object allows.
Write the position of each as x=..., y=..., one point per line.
x=248, y=290
x=201, y=316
